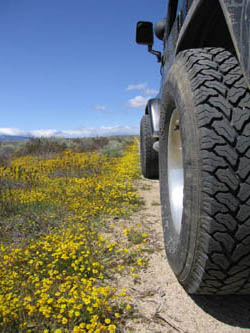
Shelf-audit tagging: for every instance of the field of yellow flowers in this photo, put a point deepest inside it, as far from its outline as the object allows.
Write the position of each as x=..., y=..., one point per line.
x=57, y=258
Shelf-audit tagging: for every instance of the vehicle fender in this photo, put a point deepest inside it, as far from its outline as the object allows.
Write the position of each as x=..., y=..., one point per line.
x=153, y=110
x=237, y=17
x=237, y=14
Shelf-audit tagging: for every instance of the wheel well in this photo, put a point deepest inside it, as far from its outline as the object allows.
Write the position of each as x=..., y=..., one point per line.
x=207, y=28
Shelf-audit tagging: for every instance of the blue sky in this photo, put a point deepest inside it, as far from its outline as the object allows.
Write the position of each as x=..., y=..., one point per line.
x=72, y=67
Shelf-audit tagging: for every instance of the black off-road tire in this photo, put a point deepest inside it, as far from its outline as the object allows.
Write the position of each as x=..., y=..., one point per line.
x=210, y=253
x=149, y=157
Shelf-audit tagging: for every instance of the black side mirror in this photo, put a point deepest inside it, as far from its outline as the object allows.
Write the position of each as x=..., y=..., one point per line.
x=144, y=33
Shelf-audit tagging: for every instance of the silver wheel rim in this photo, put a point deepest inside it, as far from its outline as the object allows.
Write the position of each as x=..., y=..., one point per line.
x=175, y=171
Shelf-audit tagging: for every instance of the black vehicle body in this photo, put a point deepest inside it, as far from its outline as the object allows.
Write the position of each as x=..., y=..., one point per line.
x=228, y=18
x=200, y=125
x=203, y=23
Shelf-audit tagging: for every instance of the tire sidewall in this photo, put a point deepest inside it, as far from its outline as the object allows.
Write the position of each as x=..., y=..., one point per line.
x=180, y=248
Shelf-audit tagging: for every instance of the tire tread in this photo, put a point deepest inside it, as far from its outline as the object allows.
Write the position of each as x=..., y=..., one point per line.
x=149, y=157
x=223, y=117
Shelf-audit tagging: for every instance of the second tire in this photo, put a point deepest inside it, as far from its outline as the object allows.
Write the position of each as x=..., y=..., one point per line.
x=148, y=156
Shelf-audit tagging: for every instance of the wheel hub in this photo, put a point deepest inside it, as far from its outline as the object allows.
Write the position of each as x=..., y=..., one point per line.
x=175, y=171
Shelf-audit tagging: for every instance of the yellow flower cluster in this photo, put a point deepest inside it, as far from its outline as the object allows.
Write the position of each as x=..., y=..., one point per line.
x=90, y=184
x=57, y=279
x=57, y=282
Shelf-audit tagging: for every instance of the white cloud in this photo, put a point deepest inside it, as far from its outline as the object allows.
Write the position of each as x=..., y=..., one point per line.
x=151, y=92
x=80, y=132
x=110, y=130
x=100, y=107
x=45, y=133
x=140, y=86
x=139, y=101
x=14, y=131
x=143, y=87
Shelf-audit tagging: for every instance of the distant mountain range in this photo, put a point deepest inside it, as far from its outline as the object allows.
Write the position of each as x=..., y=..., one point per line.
x=13, y=138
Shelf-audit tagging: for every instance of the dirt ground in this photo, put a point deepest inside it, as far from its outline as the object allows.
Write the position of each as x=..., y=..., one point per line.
x=162, y=303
